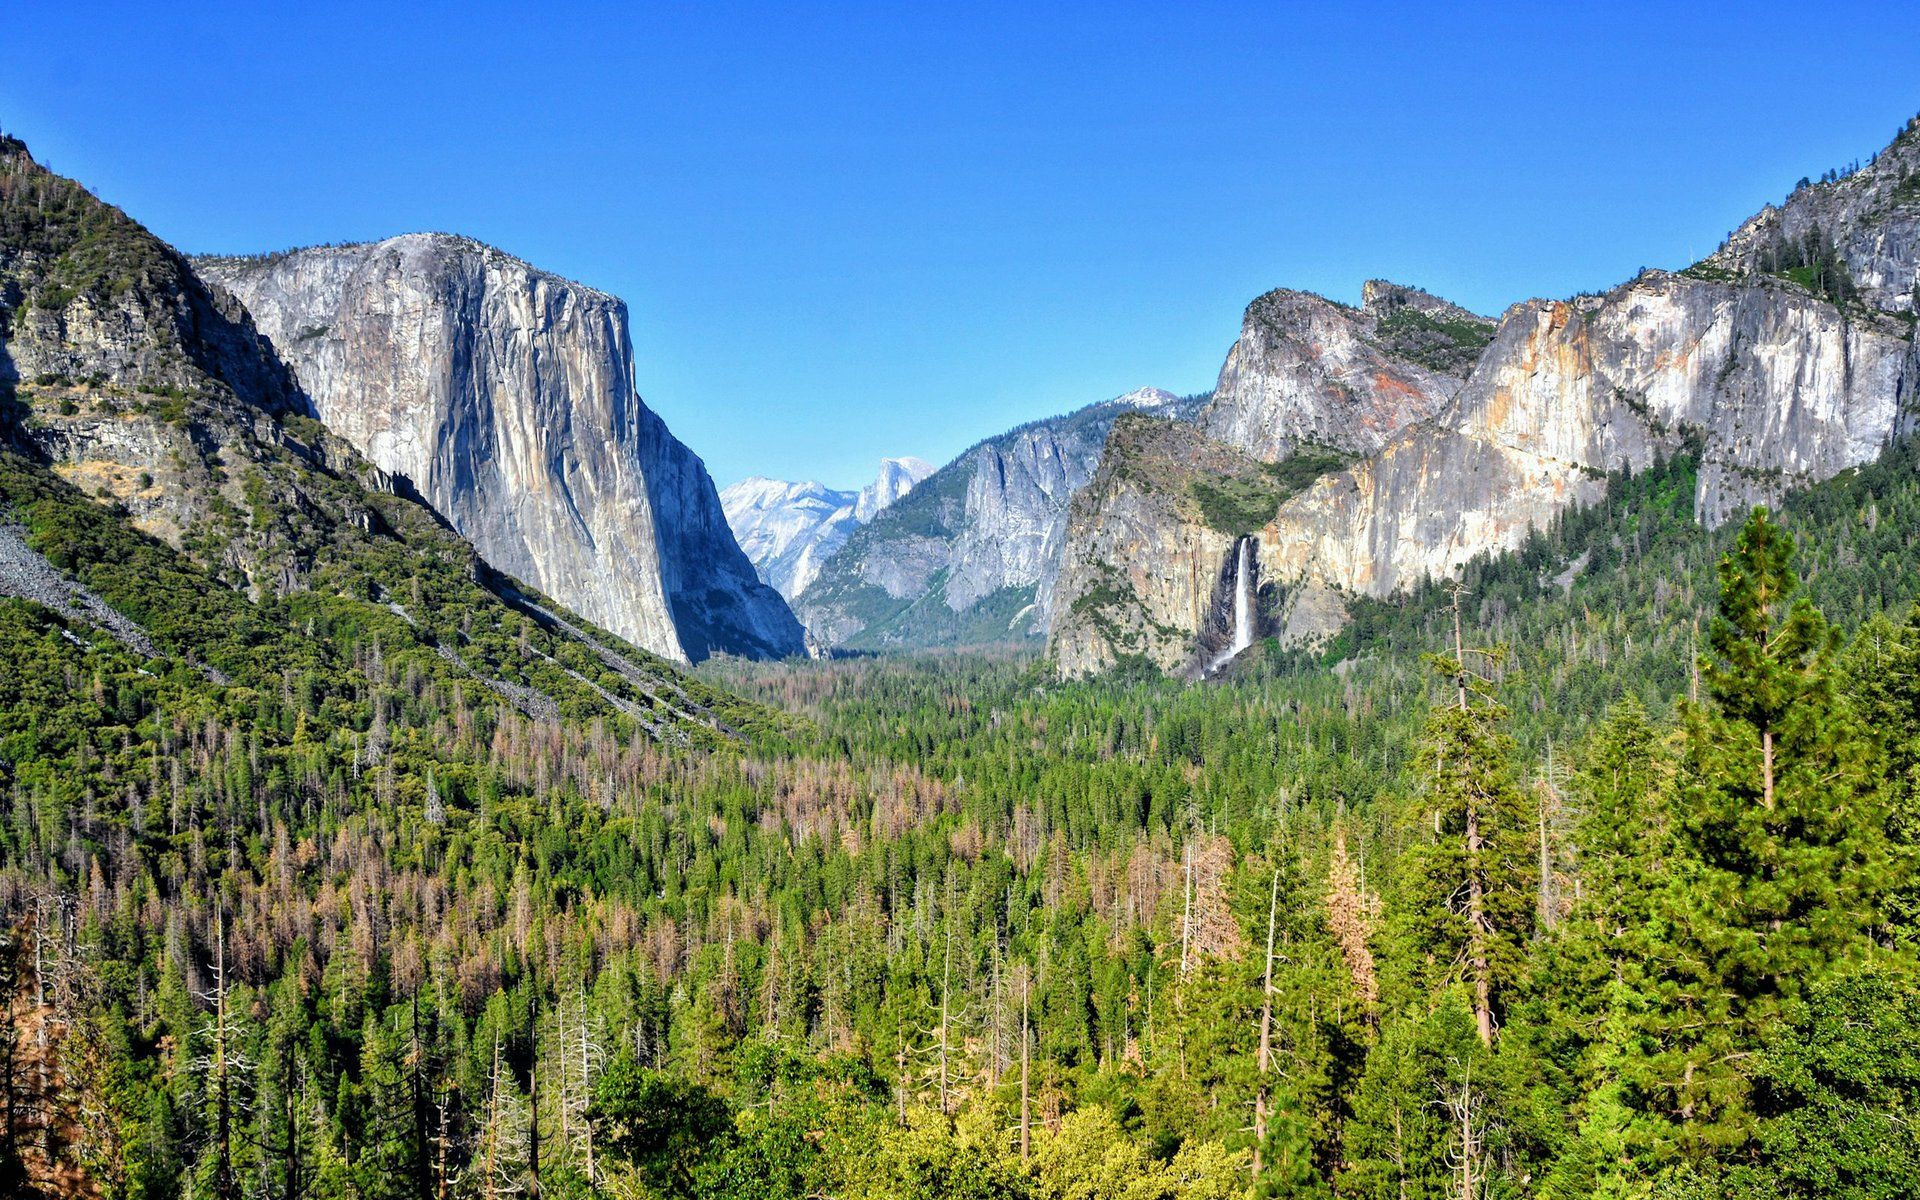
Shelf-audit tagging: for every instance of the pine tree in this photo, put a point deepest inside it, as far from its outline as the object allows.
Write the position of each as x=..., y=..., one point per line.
x=1781, y=862
x=1471, y=897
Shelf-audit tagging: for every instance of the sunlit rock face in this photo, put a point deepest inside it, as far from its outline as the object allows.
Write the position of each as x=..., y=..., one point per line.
x=1870, y=218
x=1142, y=564
x=504, y=396
x=1310, y=384
x=973, y=554
x=1773, y=387
x=1307, y=371
x=1782, y=360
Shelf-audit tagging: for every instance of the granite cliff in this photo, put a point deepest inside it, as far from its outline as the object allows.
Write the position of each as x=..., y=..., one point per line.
x=1144, y=575
x=972, y=554
x=162, y=479
x=1782, y=360
x=1307, y=371
x=503, y=396
x=1855, y=233
x=1310, y=385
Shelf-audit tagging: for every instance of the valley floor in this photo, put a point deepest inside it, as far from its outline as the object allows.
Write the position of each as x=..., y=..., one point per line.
x=1622, y=907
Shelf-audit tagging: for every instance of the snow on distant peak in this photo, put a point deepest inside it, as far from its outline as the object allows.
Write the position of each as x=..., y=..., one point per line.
x=790, y=529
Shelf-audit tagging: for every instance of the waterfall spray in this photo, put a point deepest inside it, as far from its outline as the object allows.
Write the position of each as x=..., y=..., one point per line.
x=1243, y=597
x=1242, y=604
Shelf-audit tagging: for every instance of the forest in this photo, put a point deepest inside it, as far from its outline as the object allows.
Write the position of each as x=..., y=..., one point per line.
x=1589, y=876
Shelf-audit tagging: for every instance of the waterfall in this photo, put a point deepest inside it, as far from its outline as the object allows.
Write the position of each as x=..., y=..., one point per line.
x=1243, y=598
x=1242, y=604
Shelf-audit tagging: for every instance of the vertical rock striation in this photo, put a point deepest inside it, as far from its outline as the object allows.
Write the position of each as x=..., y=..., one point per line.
x=1783, y=359
x=973, y=553
x=1868, y=220
x=1309, y=385
x=1772, y=388
x=1309, y=372
x=504, y=397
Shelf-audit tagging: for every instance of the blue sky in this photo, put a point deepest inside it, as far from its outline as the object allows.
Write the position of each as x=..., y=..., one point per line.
x=847, y=231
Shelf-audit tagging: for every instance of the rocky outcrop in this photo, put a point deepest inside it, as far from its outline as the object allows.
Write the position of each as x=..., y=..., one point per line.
x=1309, y=385
x=789, y=530
x=1307, y=371
x=897, y=477
x=503, y=396
x=973, y=553
x=1772, y=388
x=124, y=374
x=137, y=383
x=1144, y=566
x=1776, y=367
x=1867, y=219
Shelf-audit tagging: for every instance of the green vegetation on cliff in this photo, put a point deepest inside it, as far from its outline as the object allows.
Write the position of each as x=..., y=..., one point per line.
x=438, y=942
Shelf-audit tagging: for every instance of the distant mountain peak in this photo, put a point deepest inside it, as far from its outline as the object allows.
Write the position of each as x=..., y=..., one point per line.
x=789, y=529
x=897, y=477
x=1146, y=398
x=972, y=555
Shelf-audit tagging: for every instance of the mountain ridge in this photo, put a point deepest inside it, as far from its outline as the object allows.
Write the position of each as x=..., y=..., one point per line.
x=789, y=529
x=972, y=554
x=1778, y=364
x=163, y=480
x=505, y=394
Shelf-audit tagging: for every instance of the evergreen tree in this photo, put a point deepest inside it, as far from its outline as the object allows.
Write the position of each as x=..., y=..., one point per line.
x=1781, y=859
x=1470, y=895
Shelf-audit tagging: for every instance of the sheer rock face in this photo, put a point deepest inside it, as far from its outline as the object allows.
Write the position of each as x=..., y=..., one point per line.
x=504, y=396
x=1771, y=383
x=897, y=477
x=1774, y=386
x=973, y=554
x=1307, y=376
x=789, y=530
x=1309, y=371
x=1871, y=218
x=1142, y=568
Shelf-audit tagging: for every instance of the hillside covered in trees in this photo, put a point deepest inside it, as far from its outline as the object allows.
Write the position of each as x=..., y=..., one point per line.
x=336, y=864
x=1589, y=877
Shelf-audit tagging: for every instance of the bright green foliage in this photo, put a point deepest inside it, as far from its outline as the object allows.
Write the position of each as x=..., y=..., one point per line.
x=1780, y=833
x=1405, y=1137
x=1091, y=1158
x=465, y=940
x=1838, y=1096
x=1468, y=898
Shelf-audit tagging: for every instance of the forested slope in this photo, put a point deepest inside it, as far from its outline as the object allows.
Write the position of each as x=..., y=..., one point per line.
x=350, y=927
x=336, y=866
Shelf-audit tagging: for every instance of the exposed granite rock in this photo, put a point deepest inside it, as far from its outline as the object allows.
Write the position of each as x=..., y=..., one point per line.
x=1309, y=371
x=1309, y=384
x=1144, y=568
x=1870, y=217
x=789, y=530
x=504, y=397
x=126, y=374
x=26, y=573
x=1775, y=388
x=1772, y=387
x=897, y=477
x=136, y=382
x=1776, y=375
x=972, y=555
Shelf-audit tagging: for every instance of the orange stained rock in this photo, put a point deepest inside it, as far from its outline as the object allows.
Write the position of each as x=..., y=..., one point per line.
x=1389, y=383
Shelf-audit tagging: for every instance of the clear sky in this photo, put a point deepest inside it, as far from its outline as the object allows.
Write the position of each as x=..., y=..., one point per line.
x=850, y=231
